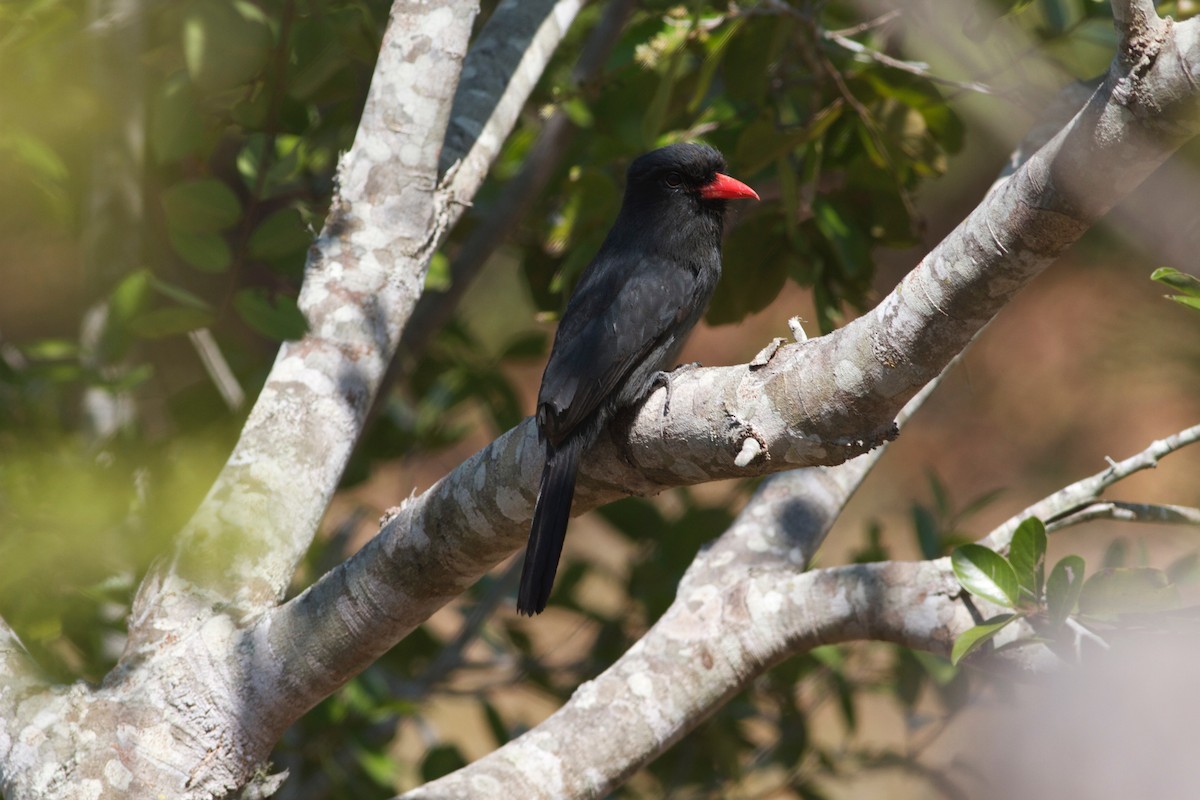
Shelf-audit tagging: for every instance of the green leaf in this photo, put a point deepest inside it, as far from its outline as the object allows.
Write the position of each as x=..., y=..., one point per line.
x=201, y=206
x=926, y=527
x=759, y=252
x=51, y=349
x=850, y=245
x=380, y=766
x=207, y=252
x=1179, y=281
x=281, y=234
x=578, y=112
x=1116, y=554
x=437, y=277
x=1027, y=554
x=1185, y=570
x=763, y=141
x=279, y=320
x=1190, y=302
x=162, y=322
x=970, y=640
x=716, y=46
x=985, y=573
x=225, y=44
x=496, y=724
x=1125, y=590
x=1063, y=587
x=530, y=344
x=129, y=296
x=441, y=760
x=938, y=668
x=177, y=128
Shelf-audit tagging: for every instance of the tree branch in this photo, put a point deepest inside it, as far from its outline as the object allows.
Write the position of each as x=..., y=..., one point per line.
x=434, y=309
x=1129, y=512
x=364, y=276
x=815, y=403
x=1085, y=492
x=504, y=64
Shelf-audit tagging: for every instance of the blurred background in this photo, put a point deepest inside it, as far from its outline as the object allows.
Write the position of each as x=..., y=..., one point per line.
x=163, y=168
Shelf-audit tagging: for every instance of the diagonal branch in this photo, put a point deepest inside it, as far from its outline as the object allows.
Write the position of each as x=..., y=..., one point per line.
x=363, y=275
x=745, y=604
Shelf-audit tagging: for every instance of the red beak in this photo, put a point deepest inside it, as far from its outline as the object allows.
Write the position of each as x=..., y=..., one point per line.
x=724, y=187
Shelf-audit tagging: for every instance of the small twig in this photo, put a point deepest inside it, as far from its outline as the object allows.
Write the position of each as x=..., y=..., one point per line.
x=871, y=24
x=1082, y=493
x=218, y=369
x=1128, y=512
x=918, y=68
x=1081, y=633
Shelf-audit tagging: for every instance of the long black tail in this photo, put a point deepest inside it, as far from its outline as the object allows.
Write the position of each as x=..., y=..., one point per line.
x=549, y=527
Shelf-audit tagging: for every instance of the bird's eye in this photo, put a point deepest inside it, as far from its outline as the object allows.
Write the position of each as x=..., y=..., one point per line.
x=674, y=180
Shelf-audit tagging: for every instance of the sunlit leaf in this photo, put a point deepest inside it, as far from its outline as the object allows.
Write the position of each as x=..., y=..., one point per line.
x=1179, y=281
x=437, y=277
x=972, y=639
x=1027, y=554
x=985, y=573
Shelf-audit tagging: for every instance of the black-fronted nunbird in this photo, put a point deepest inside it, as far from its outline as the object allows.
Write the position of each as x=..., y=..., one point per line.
x=627, y=319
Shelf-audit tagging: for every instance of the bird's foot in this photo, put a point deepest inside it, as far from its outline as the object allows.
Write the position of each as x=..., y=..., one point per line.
x=663, y=378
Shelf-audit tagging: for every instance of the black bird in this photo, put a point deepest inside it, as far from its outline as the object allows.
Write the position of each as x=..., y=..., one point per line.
x=634, y=306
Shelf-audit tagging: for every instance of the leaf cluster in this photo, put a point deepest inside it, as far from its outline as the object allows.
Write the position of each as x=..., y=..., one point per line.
x=1061, y=605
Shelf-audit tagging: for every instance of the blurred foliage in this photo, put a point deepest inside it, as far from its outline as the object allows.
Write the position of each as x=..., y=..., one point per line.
x=164, y=168
x=1065, y=609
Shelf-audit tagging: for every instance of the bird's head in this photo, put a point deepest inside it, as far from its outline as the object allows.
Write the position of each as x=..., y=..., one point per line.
x=684, y=173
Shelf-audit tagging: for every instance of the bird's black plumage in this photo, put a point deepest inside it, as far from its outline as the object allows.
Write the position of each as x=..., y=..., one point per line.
x=627, y=319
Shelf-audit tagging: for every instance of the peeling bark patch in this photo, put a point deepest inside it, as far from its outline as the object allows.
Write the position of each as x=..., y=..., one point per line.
x=117, y=774
x=767, y=353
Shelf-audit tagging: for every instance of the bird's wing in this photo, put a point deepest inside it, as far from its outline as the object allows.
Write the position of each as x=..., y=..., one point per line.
x=614, y=326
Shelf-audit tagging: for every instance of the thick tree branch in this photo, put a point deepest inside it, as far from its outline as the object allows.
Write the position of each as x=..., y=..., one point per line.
x=518, y=195
x=365, y=274
x=501, y=70
x=712, y=643
x=745, y=604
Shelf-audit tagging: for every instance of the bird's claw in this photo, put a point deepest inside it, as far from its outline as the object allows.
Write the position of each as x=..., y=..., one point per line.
x=663, y=378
